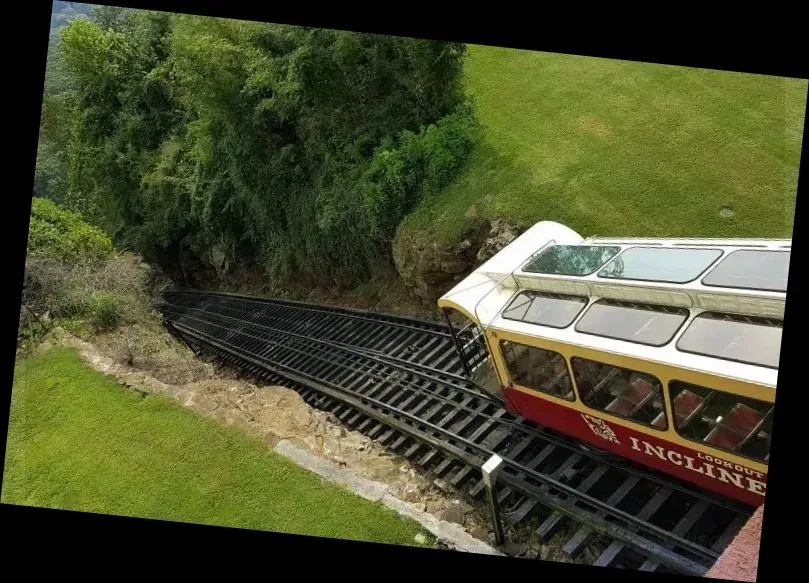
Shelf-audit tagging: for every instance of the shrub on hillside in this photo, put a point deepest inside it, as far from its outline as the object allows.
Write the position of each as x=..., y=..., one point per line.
x=356, y=214
x=74, y=275
x=63, y=235
x=106, y=309
x=401, y=173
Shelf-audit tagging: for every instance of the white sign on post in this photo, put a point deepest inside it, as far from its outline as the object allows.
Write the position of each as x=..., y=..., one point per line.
x=490, y=470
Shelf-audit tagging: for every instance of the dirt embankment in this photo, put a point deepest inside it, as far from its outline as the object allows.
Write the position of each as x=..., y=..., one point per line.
x=384, y=291
x=422, y=271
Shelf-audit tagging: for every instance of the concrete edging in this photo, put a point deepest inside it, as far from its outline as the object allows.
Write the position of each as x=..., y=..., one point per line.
x=450, y=533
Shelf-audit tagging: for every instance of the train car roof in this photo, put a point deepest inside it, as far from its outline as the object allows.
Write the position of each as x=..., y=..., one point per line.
x=492, y=280
x=671, y=353
x=742, y=277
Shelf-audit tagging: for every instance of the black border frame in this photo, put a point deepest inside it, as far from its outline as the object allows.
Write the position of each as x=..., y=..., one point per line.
x=721, y=45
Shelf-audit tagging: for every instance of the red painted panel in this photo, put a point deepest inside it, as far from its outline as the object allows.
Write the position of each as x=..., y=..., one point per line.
x=707, y=471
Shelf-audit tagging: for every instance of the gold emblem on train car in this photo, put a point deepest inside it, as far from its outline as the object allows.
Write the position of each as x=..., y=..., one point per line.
x=600, y=428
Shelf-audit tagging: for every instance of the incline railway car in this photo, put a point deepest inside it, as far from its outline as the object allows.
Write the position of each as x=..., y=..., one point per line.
x=663, y=351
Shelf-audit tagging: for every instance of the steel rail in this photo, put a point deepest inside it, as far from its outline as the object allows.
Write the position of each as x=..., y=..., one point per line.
x=527, y=430
x=371, y=407
x=451, y=437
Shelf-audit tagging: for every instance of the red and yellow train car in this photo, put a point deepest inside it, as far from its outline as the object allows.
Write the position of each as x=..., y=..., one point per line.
x=663, y=351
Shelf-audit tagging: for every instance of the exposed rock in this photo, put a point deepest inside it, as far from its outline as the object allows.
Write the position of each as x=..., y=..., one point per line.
x=411, y=493
x=501, y=234
x=431, y=269
x=433, y=507
x=442, y=485
x=480, y=533
x=463, y=246
x=463, y=506
x=452, y=514
x=219, y=260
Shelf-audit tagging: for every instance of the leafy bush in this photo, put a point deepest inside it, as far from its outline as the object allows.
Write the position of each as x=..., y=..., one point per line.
x=63, y=235
x=418, y=164
x=106, y=309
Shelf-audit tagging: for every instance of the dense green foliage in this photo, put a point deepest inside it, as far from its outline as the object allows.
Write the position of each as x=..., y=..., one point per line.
x=78, y=441
x=295, y=149
x=57, y=106
x=623, y=148
x=64, y=235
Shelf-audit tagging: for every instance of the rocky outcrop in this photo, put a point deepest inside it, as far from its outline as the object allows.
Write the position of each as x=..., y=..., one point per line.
x=219, y=260
x=430, y=269
x=501, y=234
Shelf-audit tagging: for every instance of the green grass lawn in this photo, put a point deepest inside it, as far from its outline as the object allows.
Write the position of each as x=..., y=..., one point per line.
x=78, y=441
x=624, y=148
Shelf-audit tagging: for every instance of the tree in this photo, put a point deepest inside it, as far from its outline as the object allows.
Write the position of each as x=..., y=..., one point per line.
x=292, y=148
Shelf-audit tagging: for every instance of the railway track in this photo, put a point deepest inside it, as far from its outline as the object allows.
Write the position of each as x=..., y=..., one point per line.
x=399, y=380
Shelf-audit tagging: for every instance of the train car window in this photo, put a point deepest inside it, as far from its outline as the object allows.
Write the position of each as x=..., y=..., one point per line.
x=642, y=324
x=748, y=269
x=722, y=420
x=747, y=339
x=554, y=310
x=571, y=259
x=619, y=391
x=538, y=369
x=664, y=264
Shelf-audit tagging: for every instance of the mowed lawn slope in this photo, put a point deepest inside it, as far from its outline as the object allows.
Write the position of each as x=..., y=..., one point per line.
x=623, y=148
x=78, y=441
